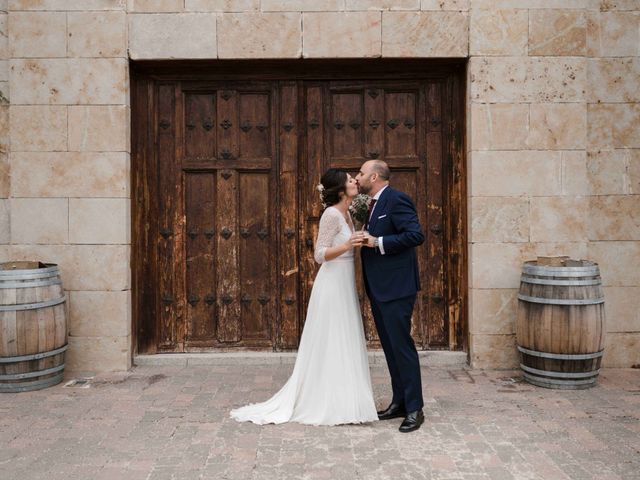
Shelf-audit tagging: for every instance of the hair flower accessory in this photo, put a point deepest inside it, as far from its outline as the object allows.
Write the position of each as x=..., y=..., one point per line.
x=320, y=189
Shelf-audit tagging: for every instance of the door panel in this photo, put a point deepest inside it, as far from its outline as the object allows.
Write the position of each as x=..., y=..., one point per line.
x=199, y=135
x=399, y=124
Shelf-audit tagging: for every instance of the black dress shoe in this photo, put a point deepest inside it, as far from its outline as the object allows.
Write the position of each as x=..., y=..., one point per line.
x=395, y=410
x=412, y=421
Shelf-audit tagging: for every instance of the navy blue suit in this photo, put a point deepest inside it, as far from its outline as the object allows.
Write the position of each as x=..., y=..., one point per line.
x=392, y=282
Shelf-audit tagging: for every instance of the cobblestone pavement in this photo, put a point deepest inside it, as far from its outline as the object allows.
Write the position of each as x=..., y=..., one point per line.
x=163, y=422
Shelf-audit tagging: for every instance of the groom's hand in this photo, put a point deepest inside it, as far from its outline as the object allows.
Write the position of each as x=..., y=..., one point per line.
x=369, y=240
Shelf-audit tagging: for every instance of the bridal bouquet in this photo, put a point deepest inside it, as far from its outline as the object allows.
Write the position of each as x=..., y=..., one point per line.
x=359, y=208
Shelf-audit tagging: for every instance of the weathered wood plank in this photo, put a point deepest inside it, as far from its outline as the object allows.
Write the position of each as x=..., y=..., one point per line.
x=169, y=186
x=289, y=235
x=227, y=285
x=200, y=205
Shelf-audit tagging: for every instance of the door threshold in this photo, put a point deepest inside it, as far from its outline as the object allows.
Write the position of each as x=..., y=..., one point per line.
x=431, y=358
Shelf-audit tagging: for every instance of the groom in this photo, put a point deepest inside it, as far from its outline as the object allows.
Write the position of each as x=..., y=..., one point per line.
x=391, y=280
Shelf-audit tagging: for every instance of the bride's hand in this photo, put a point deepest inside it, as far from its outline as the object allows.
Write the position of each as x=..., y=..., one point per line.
x=356, y=239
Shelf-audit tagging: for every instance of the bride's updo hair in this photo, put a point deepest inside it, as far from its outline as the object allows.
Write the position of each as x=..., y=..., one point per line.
x=334, y=182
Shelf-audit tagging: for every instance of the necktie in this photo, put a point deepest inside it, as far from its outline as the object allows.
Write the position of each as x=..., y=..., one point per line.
x=371, y=205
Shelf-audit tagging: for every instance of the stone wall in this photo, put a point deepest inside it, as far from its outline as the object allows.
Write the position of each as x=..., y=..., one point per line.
x=554, y=161
x=553, y=136
x=69, y=161
x=613, y=169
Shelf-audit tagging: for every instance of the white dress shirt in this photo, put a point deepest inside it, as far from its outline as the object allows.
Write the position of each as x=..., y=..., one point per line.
x=376, y=197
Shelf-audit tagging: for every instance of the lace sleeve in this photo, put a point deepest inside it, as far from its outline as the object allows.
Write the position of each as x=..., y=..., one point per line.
x=329, y=228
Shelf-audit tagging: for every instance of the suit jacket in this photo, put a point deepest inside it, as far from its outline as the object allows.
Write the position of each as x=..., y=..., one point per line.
x=395, y=274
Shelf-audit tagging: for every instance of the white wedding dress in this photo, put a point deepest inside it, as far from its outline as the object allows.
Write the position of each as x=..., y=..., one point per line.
x=330, y=383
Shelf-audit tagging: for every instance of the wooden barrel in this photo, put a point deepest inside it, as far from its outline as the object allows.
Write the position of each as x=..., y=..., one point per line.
x=561, y=324
x=33, y=326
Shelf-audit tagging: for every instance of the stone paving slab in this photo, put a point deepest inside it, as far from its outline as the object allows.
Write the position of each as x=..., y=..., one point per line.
x=171, y=422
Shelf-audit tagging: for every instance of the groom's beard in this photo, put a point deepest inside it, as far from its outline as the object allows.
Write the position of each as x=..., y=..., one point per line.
x=363, y=189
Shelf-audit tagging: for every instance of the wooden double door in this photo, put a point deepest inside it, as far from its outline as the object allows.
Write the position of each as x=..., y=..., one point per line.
x=226, y=212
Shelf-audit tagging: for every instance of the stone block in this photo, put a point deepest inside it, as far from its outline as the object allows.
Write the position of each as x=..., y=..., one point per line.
x=613, y=80
x=499, y=219
x=97, y=34
x=614, y=217
x=337, y=34
x=99, y=354
x=99, y=314
x=70, y=81
x=38, y=128
x=99, y=220
x=301, y=5
x=223, y=5
x=5, y=221
x=181, y=36
x=99, y=128
x=73, y=174
x=5, y=130
x=618, y=262
x=425, y=34
x=4, y=36
x=575, y=180
x=5, y=178
x=155, y=6
x=557, y=32
x=37, y=34
x=618, y=5
x=40, y=220
x=557, y=126
x=559, y=219
x=622, y=309
x=613, y=125
x=497, y=265
x=493, y=351
x=498, y=32
x=494, y=311
x=458, y=5
x=622, y=350
x=528, y=79
x=84, y=267
x=498, y=126
x=4, y=72
x=382, y=5
x=578, y=249
x=61, y=5
x=260, y=35
x=533, y=5
x=613, y=34
x=513, y=173
x=4, y=86
x=614, y=172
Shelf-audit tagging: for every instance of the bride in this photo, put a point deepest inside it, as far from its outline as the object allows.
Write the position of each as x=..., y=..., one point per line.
x=330, y=383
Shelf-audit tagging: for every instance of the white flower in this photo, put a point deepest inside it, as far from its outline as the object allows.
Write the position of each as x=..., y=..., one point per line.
x=320, y=187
